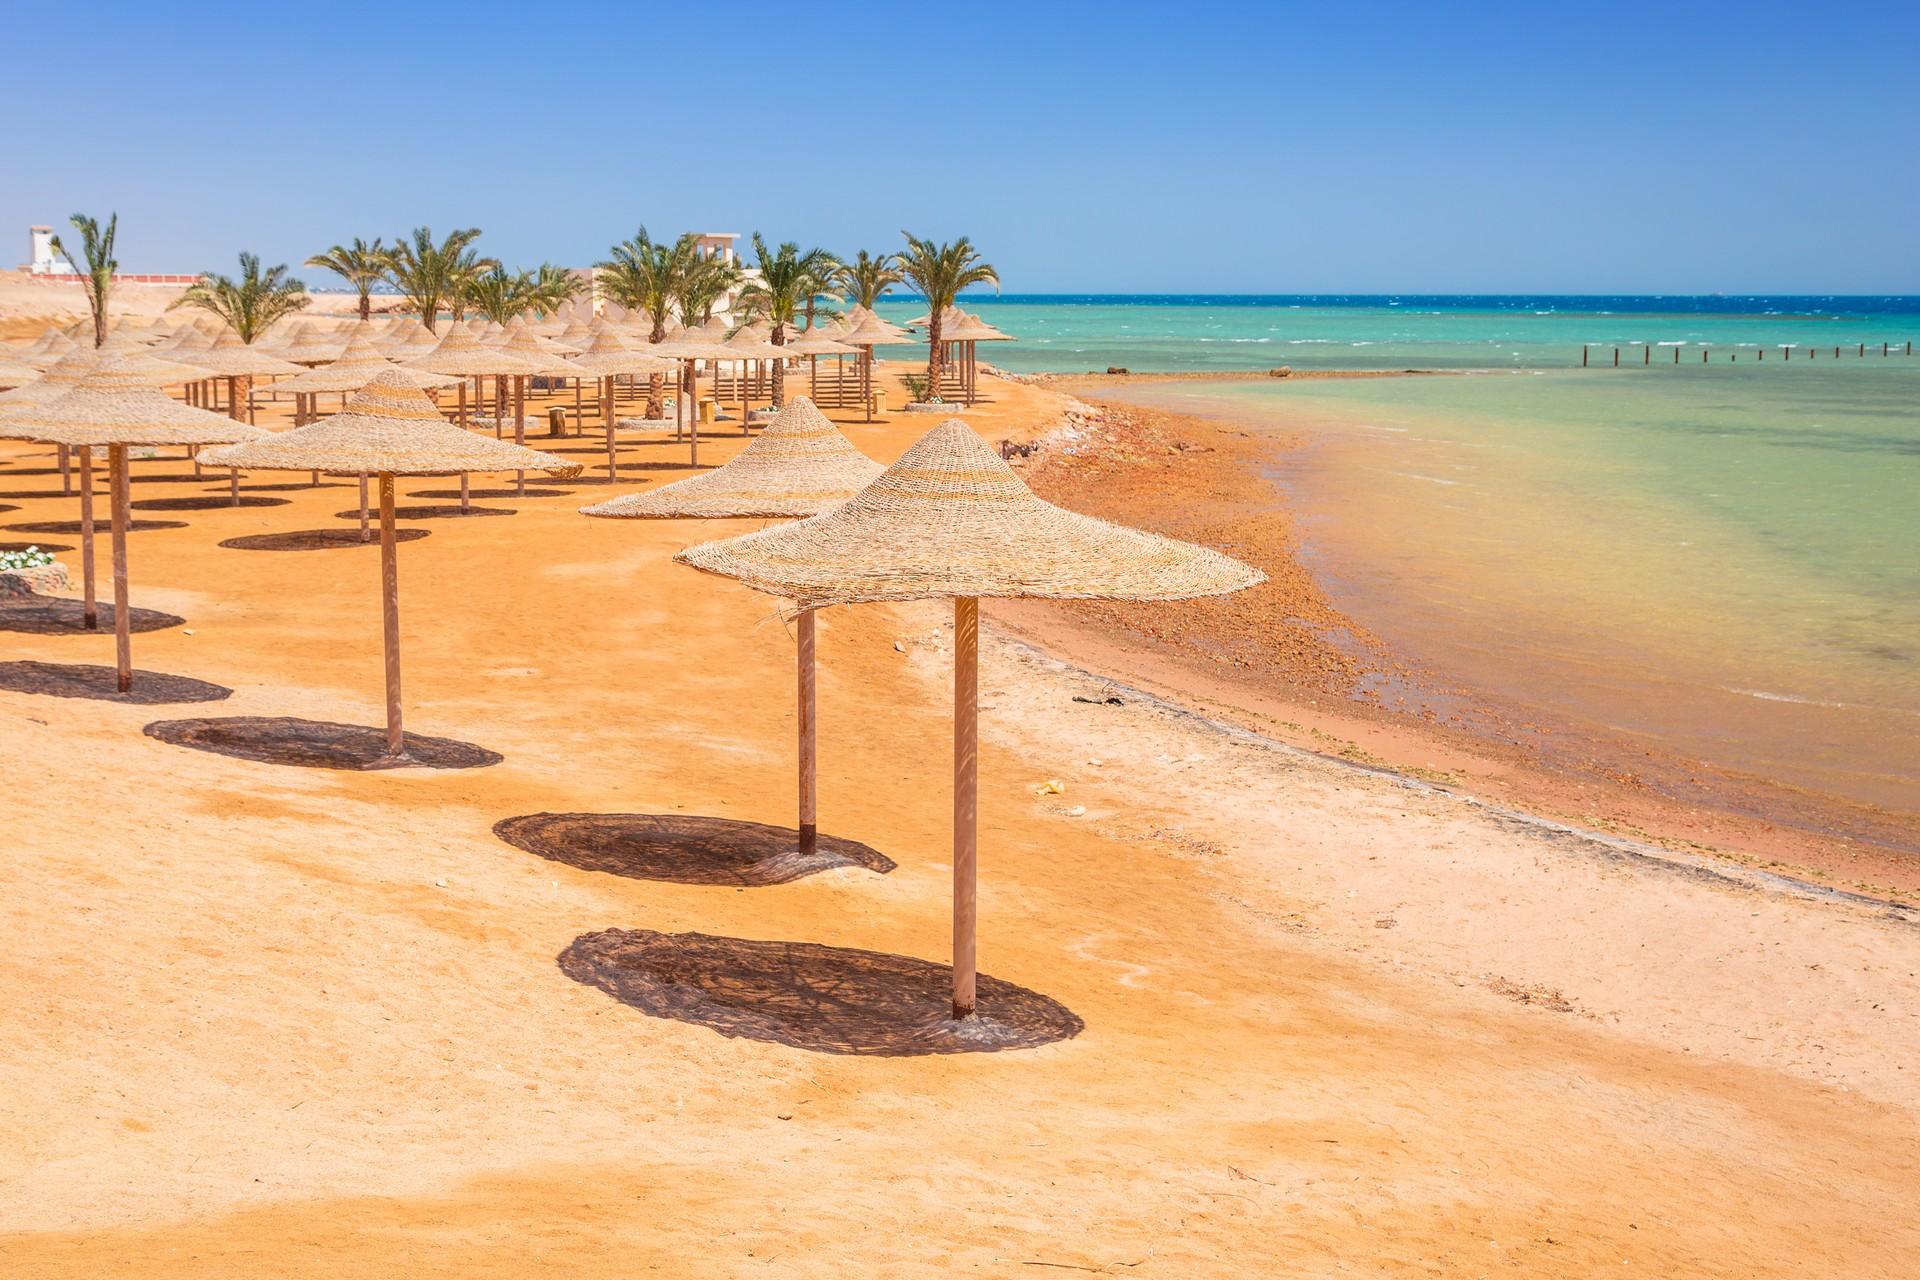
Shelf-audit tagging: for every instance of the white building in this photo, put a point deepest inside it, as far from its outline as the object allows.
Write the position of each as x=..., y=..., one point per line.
x=41, y=259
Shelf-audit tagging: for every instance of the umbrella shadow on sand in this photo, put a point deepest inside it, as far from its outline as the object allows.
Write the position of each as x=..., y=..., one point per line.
x=39, y=615
x=448, y=512
x=103, y=526
x=316, y=744
x=75, y=680
x=205, y=502
x=807, y=996
x=683, y=848
x=313, y=540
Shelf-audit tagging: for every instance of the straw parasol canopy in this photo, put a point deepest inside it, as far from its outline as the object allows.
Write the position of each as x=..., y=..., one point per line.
x=607, y=358
x=951, y=519
x=228, y=357
x=800, y=466
x=115, y=404
x=867, y=332
x=15, y=372
x=389, y=428
x=357, y=365
x=460, y=352
x=51, y=342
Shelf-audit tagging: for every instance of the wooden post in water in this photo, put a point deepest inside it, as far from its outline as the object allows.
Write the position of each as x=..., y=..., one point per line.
x=1863, y=351
x=122, y=611
x=1616, y=357
x=390, y=619
x=809, y=831
x=966, y=791
x=1883, y=349
x=1583, y=357
x=1646, y=354
x=1676, y=355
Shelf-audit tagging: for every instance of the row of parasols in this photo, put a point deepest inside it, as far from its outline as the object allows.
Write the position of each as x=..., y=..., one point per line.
x=949, y=520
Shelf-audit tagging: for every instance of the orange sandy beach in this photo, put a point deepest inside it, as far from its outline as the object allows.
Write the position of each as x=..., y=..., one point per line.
x=1331, y=1020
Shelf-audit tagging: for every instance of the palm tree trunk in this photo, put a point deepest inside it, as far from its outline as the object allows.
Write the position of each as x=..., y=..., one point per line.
x=779, y=367
x=655, y=404
x=236, y=402
x=934, y=353
x=366, y=306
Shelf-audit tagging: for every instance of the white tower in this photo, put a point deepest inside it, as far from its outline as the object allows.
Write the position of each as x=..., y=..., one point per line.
x=43, y=260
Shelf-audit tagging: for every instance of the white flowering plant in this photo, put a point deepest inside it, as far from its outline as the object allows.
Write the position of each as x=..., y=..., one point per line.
x=31, y=558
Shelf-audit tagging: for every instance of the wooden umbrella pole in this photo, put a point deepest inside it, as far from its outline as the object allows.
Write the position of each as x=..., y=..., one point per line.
x=576, y=405
x=613, y=460
x=233, y=484
x=808, y=830
x=693, y=435
x=520, y=427
x=390, y=618
x=89, y=605
x=365, y=536
x=966, y=791
x=66, y=472
x=122, y=615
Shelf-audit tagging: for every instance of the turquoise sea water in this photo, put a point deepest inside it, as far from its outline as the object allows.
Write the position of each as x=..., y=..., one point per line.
x=1719, y=558
x=1159, y=333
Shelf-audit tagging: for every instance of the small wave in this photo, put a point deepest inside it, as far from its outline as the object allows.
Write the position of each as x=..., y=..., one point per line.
x=1765, y=696
x=1429, y=479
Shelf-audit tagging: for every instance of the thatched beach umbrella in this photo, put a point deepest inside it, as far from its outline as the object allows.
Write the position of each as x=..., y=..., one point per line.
x=358, y=365
x=800, y=466
x=968, y=331
x=950, y=519
x=460, y=352
x=607, y=358
x=48, y=347
x=66, y=373
x=115, y=406
x=814, y=343
x=523, y=342
x=239, y=364
x=690, y=348
x=868, y=332
x=389, y=428
x=15, y=372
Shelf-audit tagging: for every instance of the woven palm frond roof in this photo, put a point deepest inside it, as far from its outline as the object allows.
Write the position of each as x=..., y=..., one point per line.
x=951, y=519
x=800, y=466
x=388, y=426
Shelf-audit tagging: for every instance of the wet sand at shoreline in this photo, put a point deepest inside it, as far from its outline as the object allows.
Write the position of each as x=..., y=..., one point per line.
x=302, y=1022
x=1296, y=666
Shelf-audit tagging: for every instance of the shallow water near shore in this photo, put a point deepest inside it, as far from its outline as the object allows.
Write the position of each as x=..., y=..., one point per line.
x=1722, y=561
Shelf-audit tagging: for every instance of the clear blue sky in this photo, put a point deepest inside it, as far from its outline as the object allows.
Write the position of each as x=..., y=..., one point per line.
x=1384, y=147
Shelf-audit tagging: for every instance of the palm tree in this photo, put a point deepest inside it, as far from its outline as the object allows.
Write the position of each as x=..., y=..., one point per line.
x=705, y=283
x=431, y=273
x=553, y=287
x=97, y=247
x=865, y=278
x=253, y=303
x=789, y=281
x=499, y=297
x=940, y=272
x=360, y=264
x=645, y=274
x=250, y=305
